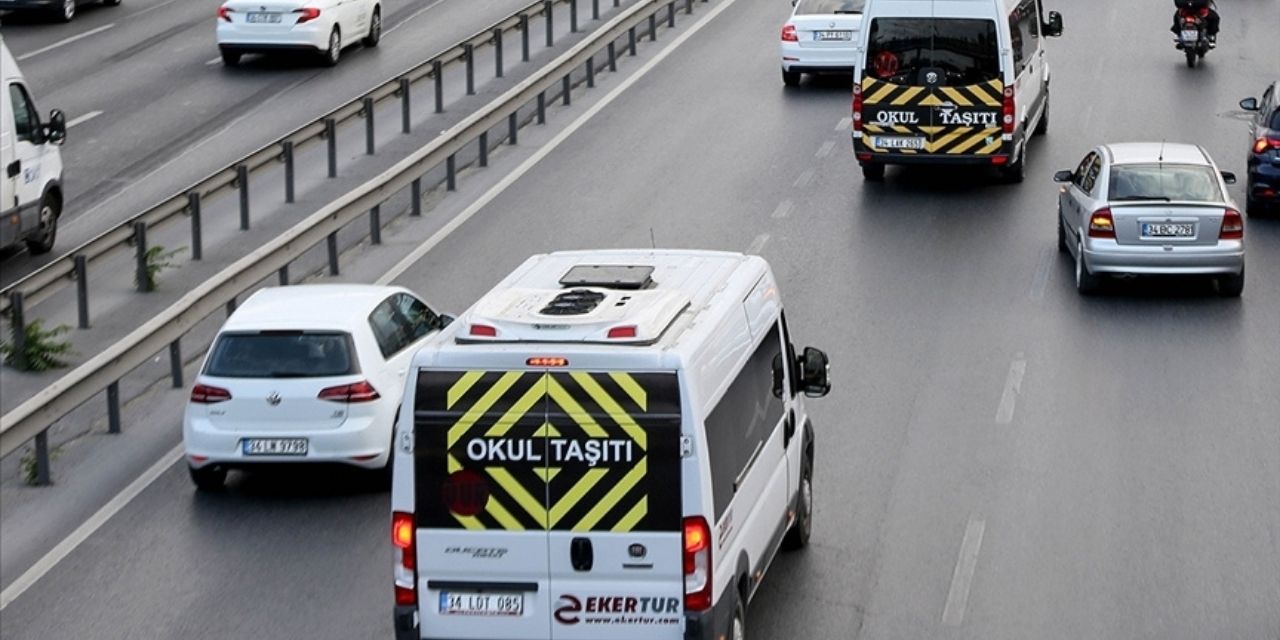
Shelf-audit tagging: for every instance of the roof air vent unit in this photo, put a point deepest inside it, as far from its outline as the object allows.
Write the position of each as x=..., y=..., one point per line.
x=609, y=276
x=575, y=302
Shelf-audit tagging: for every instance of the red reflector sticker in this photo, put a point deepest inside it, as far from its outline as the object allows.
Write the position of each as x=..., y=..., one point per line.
x=465, y=493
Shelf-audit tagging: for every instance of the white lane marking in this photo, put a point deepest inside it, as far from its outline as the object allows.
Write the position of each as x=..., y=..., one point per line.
x=82, y=533
x=151, y=8
x=806, y=178
x=1012, y=386
x=546, y=150
x=784, y=209
x=64, y=41
x=83, y=119
x=213, y=61
x=1044, y=271
x=825, y=149
x=412, y=16
x=962, y=578
x=844, y=123
x=757, y=245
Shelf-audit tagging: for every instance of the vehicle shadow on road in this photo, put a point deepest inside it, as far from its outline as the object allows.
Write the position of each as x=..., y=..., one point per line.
x=299, y=482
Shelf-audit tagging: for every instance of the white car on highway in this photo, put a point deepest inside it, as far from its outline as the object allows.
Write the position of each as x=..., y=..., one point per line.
x=820, y=37
x=307, y=373
x=325, y=27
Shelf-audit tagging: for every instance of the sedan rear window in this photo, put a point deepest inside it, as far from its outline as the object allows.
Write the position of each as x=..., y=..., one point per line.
x=812, y=7
x=282, y=354
x=1195, y=183
x=962, y=51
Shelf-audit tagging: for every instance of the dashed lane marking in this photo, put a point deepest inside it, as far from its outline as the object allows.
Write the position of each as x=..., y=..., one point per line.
x=825, y=149
x=64, y=41
x=962, y=578
x=784, y=209
x=83, y=119
x=1012, y=387
x=757, y=245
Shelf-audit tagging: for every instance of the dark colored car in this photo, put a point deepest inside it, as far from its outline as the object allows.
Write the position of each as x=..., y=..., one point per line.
x=1262, y=187
x=61, y=10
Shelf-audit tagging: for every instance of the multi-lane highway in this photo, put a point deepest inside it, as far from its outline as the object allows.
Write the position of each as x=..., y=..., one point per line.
x=1000, y=458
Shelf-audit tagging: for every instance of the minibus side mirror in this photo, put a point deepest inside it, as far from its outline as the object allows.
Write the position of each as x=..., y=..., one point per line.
x=1065, y=175
x=1053, y=28
x=56, y=130
x=815, y=373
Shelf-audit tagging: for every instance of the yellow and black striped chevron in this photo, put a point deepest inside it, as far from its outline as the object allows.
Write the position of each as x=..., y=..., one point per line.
x=962, y=120
x=537, y=450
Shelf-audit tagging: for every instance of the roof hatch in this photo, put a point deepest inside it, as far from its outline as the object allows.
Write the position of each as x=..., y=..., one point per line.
x=609, y=276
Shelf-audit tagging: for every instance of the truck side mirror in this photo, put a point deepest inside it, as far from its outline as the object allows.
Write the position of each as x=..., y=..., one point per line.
x=815, y=373
x=56, y=130
x=1053, y=28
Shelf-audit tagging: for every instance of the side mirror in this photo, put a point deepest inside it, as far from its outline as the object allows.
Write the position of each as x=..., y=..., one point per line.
x=1065, y=175
x=445, y=320
x=1228, y=177
x=1249, y=104
x=795, y=2
x=1053, y=28
x=56, y=130
x=815, y=373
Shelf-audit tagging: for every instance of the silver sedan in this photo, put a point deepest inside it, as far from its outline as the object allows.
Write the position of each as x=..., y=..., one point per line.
x=1150, y=208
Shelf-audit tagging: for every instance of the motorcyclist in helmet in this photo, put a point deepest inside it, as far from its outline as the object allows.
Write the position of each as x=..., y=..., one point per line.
x=1211, y=19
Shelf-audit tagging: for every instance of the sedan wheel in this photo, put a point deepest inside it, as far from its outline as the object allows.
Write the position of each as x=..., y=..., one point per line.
x=1086, y=283
x=1231, y=286
x=68, y=10
x=375, y=30
x=334, y=52
x=1062, y=235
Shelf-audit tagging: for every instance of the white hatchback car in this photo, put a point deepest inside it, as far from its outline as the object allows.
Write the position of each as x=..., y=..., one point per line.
x=321, y=26
x=307, y=373
x=820, y=37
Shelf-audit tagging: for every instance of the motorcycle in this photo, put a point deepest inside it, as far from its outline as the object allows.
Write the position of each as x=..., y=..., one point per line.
x=1192, y=37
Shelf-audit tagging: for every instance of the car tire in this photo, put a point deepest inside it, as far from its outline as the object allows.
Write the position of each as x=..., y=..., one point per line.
x=66, y=11
x=1042, y=127
x=1231, y=286
x=791, y=78
x=110, y=3
x=1254, y=208
x=209, y=478
x=375, y=29
x=738, y=622
x=333, y=54
x=1062, y=235
x=47, y=225
x=231, y=58
x=1086, y=283
x=802, y=529
x=1015, y=171
x=873, y=171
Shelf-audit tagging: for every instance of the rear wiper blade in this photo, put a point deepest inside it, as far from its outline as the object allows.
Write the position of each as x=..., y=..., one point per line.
x=845, y=12
x=1126, y=198
x=289, y=374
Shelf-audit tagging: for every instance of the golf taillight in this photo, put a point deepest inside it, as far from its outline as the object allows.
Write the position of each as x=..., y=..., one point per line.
x=697, y=564
x=205, y=394
x=1232, y=226
x=404, y=539
x=1101, y=224
x=349, y=393
x=307, y=14
x=789, y=33
x=857, y=107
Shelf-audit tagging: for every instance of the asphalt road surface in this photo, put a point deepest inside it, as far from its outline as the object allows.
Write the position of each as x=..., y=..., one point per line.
x=1000, y=458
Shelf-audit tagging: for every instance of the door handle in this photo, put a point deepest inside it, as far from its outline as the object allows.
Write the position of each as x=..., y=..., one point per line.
x=13, y=169
x=581, y=554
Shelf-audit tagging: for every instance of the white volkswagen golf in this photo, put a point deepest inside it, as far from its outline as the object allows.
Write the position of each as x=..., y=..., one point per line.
x=307, y=373
x=325, y=27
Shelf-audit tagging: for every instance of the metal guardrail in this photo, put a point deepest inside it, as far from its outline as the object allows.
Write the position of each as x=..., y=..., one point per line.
x=32, y=418
x=52, y=277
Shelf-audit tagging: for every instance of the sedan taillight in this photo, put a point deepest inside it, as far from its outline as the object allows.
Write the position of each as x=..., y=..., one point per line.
x=205, y=394
x=1261, y=145
x=307, y=14
x=1232, y=226
x=789, y=34
x=225, y=14
x=350, y=393
x=1101, y=225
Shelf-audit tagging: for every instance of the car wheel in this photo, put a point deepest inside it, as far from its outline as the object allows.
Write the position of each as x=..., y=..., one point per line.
x=1086, y=282
x=738, y=623
x=334, y=52
x=791, y=78
x=375, y=29
x=66, y=11
x=1254, y=208
x=1231, y=286
x=798, y=536
x=47, y=226
x=209, y=478
x=231, y=58
x=1042, y=127
x=873, y=171
x=1062, y=235
x=1015, y=171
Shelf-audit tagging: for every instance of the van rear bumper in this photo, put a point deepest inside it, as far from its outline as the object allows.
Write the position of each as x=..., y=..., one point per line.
x=866, y=156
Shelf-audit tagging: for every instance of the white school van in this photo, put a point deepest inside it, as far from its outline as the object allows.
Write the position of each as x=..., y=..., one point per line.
x=951, y=82
x=31, y=182
x=609, y=444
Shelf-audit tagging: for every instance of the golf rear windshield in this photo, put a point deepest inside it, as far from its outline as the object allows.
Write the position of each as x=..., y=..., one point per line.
x=962, y=51
x=281, y=354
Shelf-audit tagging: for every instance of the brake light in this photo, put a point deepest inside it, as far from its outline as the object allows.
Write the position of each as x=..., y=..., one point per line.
x=546, y=361
x=1232, y=226
x=307, y=14
x=224, y=13
x=617, y=333
x=697, y=564
x=350, y=393
x=857, y=107
x=483, y=330
x=789, y=33
x=1009, y=111
x=403, y=537
x=1262, y=144
x=1101, y=225
x=205, y=394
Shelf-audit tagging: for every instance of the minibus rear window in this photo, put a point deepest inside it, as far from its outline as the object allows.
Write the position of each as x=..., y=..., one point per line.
x=902, y=50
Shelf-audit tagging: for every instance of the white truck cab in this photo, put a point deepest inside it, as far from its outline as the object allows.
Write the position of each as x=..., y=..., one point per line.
x=609, y=444
x=31, y=183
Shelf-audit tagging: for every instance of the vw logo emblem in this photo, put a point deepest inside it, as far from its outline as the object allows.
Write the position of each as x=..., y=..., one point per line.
x=273, y=399
x=831, y=26
x=931, y=77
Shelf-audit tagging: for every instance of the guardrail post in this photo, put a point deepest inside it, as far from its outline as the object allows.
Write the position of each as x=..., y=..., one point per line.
x=405, y=125
x=197, y=230
x=631, y=40
x=653, y=27
x=595, y=9
x=19, y=331
x=375, y=224
x=591, y=72
x=231, y=306
x=282, y=276
x=484, y=149
x=175, y=363
x=113, y=407
x=542, y=107
x=546, y=13
x=671, y=14
x=142, y=280
x=513, y=127
x=437, y=75
x=42, y=459
x=573, y=16
x=368, y=126
x=565, y=87
x=688, y=7
x=613, y=58
x=331, y=244
x=415, y=198
x=497, y=52
x=451, y=174
x=469, y=53
x=288, y=171
x=82, y=290
x=616, y=3
x=331, y=133
x=524, y=38
x=242, y=183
